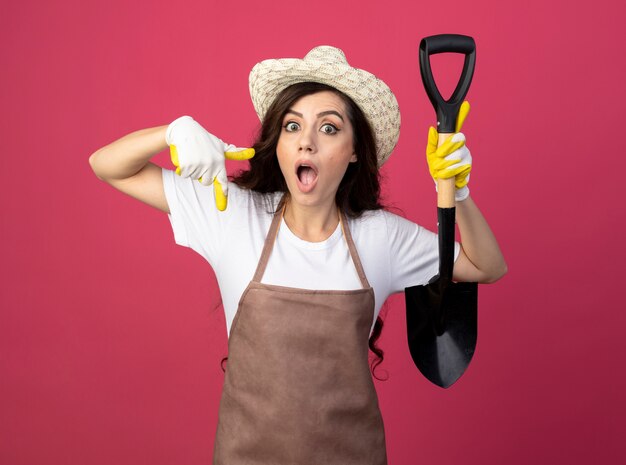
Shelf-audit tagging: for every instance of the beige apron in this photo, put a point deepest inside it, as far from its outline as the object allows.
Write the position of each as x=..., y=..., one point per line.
x=298, y=389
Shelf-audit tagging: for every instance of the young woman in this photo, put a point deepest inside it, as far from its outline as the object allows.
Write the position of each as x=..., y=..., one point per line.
x=303, y=251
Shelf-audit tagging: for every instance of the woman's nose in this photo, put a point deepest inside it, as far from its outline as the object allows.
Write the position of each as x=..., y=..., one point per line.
x=306, y=141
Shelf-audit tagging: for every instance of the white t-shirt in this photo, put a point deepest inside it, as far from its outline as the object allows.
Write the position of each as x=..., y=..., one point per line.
x=395, y=253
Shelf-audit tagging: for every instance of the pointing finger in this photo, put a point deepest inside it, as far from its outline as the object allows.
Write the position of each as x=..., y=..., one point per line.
x=236, y=153
x=220, y=199
x=220, y=188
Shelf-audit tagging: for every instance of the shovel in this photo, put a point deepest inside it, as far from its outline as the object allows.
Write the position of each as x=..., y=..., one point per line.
x=442, y=316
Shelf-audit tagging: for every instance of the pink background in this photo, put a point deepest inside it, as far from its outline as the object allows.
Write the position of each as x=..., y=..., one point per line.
x=111, y=335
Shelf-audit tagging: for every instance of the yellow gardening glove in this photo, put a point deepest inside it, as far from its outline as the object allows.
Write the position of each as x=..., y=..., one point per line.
x=221, y=198
x=198, y=154
x=452, y=158
x=460, y=119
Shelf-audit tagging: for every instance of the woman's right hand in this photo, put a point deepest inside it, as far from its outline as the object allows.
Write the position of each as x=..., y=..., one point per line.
x=198, y=154
x=451, y=159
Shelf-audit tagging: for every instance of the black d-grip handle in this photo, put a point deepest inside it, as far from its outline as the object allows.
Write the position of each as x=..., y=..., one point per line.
x=447, y=110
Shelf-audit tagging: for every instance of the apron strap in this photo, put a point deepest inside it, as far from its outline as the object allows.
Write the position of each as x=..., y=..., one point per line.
x=269, y=243
x=273, y=233
x=352, y=248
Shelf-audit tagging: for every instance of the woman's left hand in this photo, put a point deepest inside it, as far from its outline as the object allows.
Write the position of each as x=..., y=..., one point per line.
x=452, y=158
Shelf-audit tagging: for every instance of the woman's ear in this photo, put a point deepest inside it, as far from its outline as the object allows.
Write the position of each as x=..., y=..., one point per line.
x=353, y=158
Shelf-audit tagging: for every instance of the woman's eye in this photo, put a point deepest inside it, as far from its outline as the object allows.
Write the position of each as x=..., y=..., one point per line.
x=329, y=129
x=291, y=126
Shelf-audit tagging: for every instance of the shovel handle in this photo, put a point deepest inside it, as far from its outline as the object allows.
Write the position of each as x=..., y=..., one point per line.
x=447, y=110
x=445, y=187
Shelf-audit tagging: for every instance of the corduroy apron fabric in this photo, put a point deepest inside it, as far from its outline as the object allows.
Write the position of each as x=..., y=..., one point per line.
x=298, y=389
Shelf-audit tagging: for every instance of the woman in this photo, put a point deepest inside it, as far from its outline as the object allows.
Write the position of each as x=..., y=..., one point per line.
x=304, y=253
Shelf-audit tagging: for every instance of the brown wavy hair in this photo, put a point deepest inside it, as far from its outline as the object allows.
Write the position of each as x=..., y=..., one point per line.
x=359, y=189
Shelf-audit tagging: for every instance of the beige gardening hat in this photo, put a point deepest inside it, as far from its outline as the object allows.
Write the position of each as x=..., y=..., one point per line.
x=328, y=65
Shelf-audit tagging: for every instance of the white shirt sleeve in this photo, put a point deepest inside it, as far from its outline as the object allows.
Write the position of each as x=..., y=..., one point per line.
x=196, y=221
x=413, y=252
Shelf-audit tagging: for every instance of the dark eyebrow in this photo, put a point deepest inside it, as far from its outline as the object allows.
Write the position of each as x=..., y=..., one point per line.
x=324, y=113
x=330, y=112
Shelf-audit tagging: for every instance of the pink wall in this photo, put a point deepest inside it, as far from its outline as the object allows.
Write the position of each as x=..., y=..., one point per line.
x=110, y=338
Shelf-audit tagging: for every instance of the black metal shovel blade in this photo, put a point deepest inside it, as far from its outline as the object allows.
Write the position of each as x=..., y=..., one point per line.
x=442, y=325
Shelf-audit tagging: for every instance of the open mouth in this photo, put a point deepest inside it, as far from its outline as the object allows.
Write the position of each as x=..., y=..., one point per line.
x=307, y=176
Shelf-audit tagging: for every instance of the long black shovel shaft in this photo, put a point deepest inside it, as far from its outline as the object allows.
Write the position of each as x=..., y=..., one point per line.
x=446, y=221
